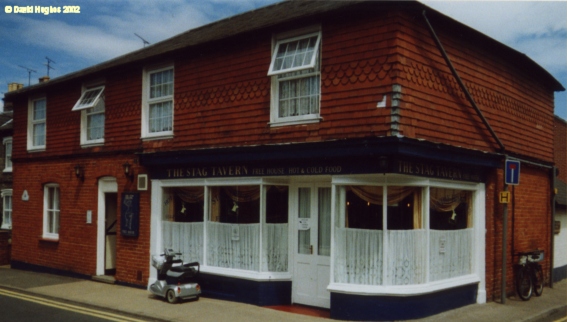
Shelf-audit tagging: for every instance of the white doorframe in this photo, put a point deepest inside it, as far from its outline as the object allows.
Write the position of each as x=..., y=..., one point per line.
x=105, y=185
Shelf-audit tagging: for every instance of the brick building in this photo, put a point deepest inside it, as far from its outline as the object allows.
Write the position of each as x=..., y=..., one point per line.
x=6, y=130
x=320, y=153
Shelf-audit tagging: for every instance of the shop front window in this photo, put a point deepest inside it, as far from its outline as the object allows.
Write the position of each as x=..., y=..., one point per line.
x=182, y=224
x=233, y=232
x=275, y=230
x=451, y=234
x=381, y=234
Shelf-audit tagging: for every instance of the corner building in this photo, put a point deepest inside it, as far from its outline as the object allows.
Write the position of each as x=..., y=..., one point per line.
x=320, y=153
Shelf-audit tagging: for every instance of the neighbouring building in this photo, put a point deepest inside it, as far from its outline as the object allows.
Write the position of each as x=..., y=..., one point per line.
x=324, y=153
x=6, y=180
x=560, y=224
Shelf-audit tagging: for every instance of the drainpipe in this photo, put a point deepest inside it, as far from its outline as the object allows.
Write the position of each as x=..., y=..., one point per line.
x=502, y=148
x=463, y=87
x=552, y=241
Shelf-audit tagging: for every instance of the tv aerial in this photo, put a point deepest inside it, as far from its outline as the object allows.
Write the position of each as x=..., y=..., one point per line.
x=145, y=41
x=48, y=64
x=29, y=73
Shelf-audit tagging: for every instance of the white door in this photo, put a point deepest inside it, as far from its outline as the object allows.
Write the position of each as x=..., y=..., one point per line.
x=313, y=245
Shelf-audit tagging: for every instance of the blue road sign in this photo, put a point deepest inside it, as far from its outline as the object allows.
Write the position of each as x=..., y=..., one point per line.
x=512, y=172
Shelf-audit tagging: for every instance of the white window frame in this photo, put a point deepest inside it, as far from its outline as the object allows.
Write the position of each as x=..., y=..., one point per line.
x=47, y=234
x=86, y=109
x=8, y=154
x=87, y=101
x=312, y=69
x=6, y=194
x=147, y=101
x=32, y=122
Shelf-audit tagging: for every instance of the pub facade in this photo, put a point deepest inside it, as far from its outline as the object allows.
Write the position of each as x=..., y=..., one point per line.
x=318, y=153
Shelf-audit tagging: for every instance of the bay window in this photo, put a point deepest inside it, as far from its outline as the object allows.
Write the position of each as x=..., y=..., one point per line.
x=402, y=235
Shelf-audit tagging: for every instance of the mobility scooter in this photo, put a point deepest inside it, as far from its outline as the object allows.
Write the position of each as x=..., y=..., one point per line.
x=175, y=280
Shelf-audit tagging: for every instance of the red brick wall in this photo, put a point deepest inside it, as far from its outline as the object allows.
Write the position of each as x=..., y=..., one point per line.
x=76, y=248
x=529, y=222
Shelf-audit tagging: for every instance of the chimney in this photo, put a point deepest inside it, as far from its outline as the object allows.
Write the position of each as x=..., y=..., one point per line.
x=43, y=79
x=14, y=86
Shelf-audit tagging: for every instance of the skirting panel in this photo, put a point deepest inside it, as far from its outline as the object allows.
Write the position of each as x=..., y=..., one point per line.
x=245, y=291
x=388, y=308
x=559, y=273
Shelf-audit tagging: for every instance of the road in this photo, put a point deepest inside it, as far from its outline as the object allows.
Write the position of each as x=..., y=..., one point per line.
x=17, y=306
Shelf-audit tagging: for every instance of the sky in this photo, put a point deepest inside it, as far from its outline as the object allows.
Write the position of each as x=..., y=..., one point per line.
x=104, y=29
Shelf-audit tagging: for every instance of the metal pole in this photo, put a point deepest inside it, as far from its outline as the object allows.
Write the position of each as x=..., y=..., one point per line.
x=504, y=251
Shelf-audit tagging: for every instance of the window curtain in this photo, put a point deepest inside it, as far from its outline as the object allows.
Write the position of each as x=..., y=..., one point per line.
x=243, y=193
x=450, y=253
x=375, y=194
x=186, y=238
x=447, y=200
x=274, y=252
x=190, y=194
x=233, y=246
x=324, y=222
x=358, y=256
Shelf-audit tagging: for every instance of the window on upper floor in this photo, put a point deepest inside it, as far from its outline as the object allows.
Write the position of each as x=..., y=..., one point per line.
x=7, y=154
x=157, y=102
x=37, y=111
x=92, y=107
x=295, y=72
x=6, y=209
x=51, y=211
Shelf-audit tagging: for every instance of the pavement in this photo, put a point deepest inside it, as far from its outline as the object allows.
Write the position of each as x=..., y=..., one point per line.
x=551, y=306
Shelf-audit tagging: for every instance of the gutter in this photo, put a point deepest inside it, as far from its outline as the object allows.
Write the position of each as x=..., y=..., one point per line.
x=463, y=87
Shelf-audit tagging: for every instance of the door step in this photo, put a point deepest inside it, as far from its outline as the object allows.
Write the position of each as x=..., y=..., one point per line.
x=104, y=279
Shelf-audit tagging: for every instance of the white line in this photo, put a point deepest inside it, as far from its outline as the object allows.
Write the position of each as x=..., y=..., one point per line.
x=69, y=307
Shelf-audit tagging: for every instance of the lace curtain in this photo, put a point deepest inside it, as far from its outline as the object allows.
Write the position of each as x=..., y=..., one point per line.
x=186, y=238
x=407, y=261
x=274, y=252
x=233, y=245
x=450, y=253
x=358, y=257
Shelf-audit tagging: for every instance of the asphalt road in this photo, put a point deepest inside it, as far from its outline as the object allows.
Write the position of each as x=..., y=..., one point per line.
x=16, y=306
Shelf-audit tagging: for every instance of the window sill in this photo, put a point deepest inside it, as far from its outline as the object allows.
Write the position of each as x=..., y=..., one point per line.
x=32, y=150
x=87, y=145
x=52, y=240
x=295, y=122
x=158, y=137
x=8, y=170
x=403, y=290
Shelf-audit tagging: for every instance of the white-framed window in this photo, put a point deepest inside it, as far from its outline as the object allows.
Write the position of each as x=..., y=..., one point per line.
x=7, y=154
x=51, y=211
x=6, y=209
x=157, y=102
x=37, y=114
x=296, y=85
x=92, y=107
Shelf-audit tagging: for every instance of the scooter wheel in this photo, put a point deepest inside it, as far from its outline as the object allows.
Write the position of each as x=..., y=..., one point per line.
x=171, y=298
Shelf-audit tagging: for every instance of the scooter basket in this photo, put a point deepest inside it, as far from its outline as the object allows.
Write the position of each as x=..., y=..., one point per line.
x=158, y=261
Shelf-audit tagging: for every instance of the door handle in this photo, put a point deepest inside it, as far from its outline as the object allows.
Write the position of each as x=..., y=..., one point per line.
x=311, y=249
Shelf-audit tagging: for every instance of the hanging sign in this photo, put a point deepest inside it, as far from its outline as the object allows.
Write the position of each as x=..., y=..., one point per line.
x=304, y=224
x=130, y=214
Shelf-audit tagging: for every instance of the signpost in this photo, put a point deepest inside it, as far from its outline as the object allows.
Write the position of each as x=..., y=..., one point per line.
x=511, y=177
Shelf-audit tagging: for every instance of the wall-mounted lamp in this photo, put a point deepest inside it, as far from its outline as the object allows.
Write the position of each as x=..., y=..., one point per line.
x=79, y=173
x=128, y=171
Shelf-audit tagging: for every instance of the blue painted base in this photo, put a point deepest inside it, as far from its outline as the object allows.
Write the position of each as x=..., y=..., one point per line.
x=245, y=291
x=559, y=273
x=388, y=308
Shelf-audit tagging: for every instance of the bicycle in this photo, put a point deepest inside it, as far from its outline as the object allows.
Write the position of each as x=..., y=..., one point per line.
x=529, y=274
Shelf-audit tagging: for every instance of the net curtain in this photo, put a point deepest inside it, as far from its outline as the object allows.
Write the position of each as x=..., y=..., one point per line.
x=375, y=195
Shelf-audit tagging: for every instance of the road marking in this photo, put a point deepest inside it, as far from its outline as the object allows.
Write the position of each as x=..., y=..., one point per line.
x=561, y=320
x=69, y=307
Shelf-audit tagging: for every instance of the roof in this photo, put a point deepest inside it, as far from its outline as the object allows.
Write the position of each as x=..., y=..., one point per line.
x=274, y=15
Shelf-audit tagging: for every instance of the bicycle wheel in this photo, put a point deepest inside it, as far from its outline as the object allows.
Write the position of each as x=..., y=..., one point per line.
x=538, y=279
x=524, y=285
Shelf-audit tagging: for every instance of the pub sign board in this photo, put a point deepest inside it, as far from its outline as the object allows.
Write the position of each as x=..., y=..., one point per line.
x=130, y=214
